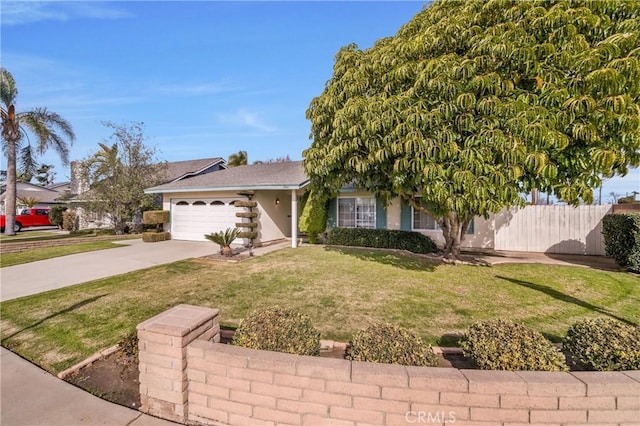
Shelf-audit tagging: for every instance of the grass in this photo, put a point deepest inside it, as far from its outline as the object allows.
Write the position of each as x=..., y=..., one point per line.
x=21, y=236
x=11, y=259
x=342, y=289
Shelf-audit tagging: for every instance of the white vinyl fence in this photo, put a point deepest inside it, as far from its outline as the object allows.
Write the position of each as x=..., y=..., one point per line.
x=552, y=229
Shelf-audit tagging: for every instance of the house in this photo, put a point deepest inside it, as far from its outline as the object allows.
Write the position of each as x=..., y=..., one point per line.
x=175, y=171
x=45, y=196
x=204, y=204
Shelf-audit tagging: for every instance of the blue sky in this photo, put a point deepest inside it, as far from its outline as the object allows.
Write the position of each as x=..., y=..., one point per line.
x=208, y=78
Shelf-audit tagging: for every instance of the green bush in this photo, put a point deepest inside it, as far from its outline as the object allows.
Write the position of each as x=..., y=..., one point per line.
x=414, y=242
x=501, y=345
x=621, y=233
x=389, y=344
x=55, y=214
x=155, y=217
x=278, y=329
x=154, y=237
x=603, y=344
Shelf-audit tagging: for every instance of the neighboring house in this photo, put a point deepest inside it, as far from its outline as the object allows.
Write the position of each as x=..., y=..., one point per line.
x=175, y=171
x=46, y=197
x=204, y=204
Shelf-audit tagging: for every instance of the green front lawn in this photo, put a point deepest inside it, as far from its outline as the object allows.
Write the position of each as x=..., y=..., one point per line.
x=11, y=259
x=342, y=289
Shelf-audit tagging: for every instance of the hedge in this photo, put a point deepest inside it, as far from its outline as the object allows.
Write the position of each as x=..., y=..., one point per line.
x=621, y=233
x=414, y=242
x=154, y=217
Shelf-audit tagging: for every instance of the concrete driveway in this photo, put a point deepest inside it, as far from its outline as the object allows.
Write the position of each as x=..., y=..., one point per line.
x=37, y=277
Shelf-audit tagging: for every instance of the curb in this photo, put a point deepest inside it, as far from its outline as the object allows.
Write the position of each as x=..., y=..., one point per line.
x=93, y=358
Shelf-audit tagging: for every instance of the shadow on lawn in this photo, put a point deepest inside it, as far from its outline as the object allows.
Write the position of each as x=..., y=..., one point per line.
x=387, y=257
x=55, y=314
x=566, y=298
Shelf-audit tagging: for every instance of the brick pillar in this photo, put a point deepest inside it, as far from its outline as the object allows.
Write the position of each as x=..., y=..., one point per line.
x=163, y=342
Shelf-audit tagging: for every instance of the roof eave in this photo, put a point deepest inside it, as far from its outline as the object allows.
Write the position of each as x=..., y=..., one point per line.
x=226, y=188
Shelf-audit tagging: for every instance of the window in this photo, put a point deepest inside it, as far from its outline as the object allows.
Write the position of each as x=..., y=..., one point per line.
x=217, y=203
x=357, y=212
x=199, y=203
x=182, y=203
x=422, y=221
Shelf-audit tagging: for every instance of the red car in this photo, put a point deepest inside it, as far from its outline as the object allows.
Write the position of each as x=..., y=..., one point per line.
x=28, y=217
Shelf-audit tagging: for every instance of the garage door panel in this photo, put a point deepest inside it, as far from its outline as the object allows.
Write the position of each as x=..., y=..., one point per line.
x=192, y=222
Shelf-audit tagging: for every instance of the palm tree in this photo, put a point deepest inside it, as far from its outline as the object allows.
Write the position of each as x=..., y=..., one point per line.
x=240, y=158
x=40, y=122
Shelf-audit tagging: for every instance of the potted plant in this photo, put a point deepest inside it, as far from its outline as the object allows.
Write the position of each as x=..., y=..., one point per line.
x=224, y=239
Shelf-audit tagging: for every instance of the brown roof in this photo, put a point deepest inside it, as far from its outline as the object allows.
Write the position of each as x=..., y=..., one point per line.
x=29, y=190
x=181, y=169
x=286, y=175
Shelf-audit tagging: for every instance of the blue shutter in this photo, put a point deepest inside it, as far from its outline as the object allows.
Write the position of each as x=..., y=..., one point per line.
x=471, y=226
x=332, y=215
x=381, y=215
x=405, y=216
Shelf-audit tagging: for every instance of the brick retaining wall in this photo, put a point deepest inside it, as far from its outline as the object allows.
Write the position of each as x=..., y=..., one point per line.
x=187, y=377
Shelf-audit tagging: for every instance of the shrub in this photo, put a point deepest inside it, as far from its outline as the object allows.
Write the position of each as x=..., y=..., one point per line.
x=621, y=233
x=603, y=344
x=69, y=222
x=224, y=239
x=389, y=344
x=278, y=329
x=155, y=217
x=129, y=345
x=501, y=345
x=414, y=242
x=55, y=214
x=154, y=237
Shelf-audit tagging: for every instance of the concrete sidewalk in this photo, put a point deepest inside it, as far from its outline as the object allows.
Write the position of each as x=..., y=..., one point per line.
x=30, y=395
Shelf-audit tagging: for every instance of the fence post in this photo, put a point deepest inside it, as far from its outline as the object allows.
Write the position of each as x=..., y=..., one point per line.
x=163, y=341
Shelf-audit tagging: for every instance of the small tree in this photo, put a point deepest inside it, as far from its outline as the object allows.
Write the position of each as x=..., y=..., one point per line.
x=29, y=202
x=118, y=174
x=55, y=215
x=224, y=240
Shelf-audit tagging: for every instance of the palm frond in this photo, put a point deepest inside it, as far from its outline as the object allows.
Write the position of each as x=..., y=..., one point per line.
x=45, y=125
x=8, y=89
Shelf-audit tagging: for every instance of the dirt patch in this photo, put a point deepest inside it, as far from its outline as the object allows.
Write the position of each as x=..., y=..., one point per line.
x=114, y=378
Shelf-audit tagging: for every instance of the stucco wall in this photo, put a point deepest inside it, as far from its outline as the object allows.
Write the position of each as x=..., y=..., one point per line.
x=483, y=234
x=188, y=377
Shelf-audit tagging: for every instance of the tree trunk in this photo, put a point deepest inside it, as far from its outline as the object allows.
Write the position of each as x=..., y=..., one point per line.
x=454, y=229
x=451, y=230
x=11, y=192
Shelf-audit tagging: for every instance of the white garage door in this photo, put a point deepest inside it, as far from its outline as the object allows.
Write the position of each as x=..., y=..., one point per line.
x=191, y=219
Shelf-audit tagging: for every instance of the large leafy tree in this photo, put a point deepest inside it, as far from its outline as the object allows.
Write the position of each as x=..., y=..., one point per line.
x=50, y=131
x=475, y=103
x=119, y=172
